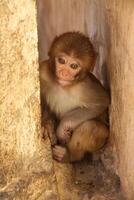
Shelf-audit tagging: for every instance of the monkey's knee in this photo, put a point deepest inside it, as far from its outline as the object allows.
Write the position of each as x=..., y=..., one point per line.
x=100, y=134
x=94, y=133
x=88, y=137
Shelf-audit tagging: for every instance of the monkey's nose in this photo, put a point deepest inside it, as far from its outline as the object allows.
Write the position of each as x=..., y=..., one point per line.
x=64, y=74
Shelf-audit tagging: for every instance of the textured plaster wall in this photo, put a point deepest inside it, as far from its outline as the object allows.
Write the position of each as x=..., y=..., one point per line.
x=19, y=78
x=120, y=19
x=26, y=168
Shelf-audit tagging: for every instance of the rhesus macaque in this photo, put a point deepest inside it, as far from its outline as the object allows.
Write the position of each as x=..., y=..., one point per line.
x=74, y=96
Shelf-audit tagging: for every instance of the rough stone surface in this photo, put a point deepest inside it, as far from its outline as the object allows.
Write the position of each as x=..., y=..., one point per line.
x=120, y=18
x=26, y=167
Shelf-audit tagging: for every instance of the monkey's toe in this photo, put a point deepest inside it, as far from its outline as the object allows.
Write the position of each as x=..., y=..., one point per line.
x=65, y=137
x=68, y=135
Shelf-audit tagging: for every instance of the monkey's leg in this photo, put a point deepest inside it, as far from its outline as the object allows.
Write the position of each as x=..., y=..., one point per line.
x=88, y=137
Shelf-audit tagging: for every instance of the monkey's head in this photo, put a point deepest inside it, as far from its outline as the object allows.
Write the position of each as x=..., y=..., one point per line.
x=72, y=55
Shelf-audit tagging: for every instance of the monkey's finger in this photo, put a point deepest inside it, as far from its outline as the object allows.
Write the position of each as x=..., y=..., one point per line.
x=58, y=157
x=55, y=155
x=56, y=151
x=68, y=132
x=60, y=152
x=59, y=149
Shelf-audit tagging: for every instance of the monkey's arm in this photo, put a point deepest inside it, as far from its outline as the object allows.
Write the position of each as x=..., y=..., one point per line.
x=96, y=101
x=76, y=117
x=47, y=123
x=47, y=119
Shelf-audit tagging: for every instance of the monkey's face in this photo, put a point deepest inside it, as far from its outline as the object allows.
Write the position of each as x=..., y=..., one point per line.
x=68, y=69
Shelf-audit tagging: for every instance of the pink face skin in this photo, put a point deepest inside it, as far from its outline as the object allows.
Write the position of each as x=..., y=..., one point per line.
x=67, y=67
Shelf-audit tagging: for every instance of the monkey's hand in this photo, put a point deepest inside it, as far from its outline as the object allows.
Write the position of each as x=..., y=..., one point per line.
x=61, y=153
x=64, y=132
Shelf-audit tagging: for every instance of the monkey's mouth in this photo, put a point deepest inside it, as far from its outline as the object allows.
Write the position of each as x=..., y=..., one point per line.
x=64, y=82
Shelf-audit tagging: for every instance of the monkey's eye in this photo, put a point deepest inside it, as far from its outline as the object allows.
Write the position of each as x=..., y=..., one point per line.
x=74, y=65
x=61, y=60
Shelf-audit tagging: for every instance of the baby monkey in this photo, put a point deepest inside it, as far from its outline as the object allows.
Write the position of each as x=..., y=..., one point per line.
x=72, y=97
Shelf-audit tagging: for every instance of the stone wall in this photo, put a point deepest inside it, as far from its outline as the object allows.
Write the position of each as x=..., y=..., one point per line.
x=120, y=21
x=26, y=167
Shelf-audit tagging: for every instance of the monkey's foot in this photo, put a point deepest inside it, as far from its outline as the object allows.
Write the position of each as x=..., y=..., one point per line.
x=61, y=153
x=68, y=134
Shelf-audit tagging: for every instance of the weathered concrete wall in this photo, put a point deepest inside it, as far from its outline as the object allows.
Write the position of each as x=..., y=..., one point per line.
x=120, y=18
x=26, y=168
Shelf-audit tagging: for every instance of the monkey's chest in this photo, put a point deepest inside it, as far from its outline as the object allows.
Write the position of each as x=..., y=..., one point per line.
x=61, y=101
